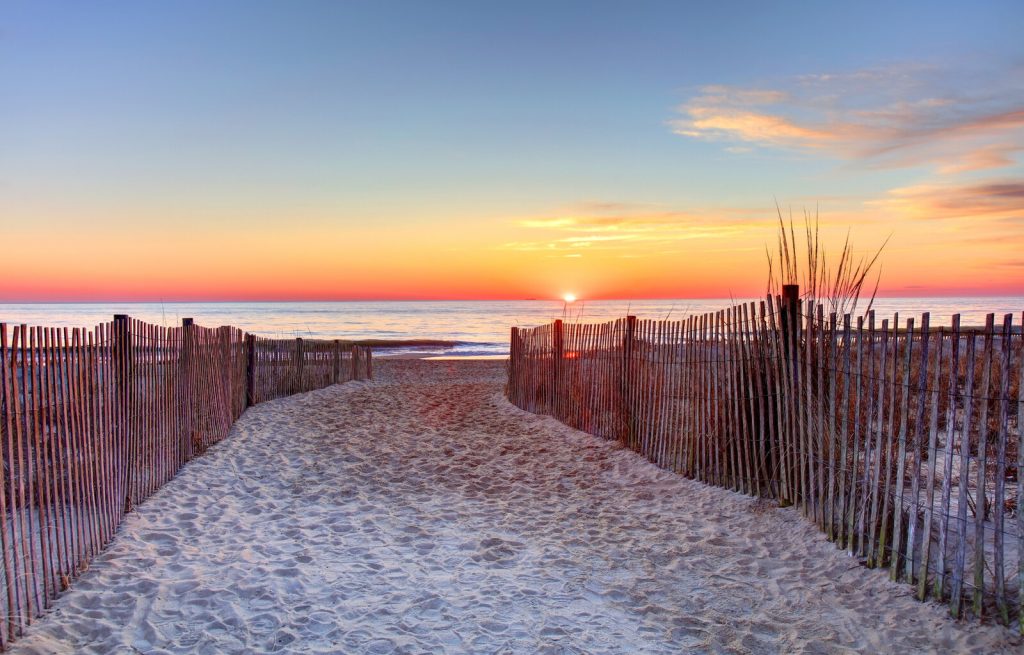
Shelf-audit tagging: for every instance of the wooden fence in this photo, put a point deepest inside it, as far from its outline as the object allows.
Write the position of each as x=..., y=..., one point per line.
x=92, y=422
x=900, y=441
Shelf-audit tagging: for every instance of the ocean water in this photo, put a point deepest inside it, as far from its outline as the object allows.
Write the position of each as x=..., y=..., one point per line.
x=477, y=327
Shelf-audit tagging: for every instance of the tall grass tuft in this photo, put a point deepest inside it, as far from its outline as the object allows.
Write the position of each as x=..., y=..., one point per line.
x=840, y=287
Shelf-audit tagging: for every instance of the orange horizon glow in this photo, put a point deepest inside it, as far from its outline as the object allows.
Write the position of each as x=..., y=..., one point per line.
x=626, y=254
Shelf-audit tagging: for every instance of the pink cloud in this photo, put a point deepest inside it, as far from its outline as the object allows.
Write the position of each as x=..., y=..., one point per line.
x=901, y=117
x=995, y=200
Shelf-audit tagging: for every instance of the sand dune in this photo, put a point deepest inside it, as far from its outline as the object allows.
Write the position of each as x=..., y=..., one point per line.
x=424, y=514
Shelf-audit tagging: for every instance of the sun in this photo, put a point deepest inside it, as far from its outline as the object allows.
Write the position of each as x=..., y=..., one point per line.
x=569, y=298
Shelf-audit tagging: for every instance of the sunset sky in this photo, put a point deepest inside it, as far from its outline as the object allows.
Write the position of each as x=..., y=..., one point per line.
x=338, y=150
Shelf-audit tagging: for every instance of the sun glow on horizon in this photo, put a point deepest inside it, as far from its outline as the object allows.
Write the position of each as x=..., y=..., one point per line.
x=569, y=298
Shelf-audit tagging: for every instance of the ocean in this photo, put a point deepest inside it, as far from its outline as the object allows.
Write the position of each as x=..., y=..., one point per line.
x=476, y=327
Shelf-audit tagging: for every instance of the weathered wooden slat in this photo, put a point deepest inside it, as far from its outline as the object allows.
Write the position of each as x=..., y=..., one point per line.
x=861, y=381
x=683, y=410
x=699, y=394
x=760, y=386
x=880, y=520
x=1020, y=489
x=875, y=455
x=689, y=366
x=963, y=477
x=741, y=431
x=915, y=439
x=980, y=501
x=730, y=410
x=674, y=432
x=808, y=408
x=22, y=410
x=85, y=421
x=830, y=364
x=40, y=503
x=820, y=409
x=901, y=458
x=947, y=457
x=668, y=394
x=7, y=501
x=842, y=492
x=48, y=499
x=779, y=374
x=927, y=523
x=51, y=417
x=999, y=500
x=580, y=385
x=721, y=437
x=749, y=412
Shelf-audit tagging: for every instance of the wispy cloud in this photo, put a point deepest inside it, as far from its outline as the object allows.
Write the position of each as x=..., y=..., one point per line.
x=625, y=228
x=991, y=201
x=902, y=116
x=990, y=156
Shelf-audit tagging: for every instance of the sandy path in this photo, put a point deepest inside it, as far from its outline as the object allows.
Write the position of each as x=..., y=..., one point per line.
x=424, y=514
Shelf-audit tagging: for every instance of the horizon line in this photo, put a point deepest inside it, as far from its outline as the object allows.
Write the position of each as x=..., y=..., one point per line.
x=555, y=299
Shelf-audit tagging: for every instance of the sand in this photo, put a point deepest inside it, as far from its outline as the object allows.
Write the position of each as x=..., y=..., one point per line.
x=422, y=513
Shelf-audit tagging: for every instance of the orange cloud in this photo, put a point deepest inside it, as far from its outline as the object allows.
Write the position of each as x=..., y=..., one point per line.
x=992, y=156
x=630, y=233
x=902, y=117
x=988, y=201
x=726, y=123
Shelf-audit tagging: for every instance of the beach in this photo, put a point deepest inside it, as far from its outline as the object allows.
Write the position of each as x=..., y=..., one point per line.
x=423, y=513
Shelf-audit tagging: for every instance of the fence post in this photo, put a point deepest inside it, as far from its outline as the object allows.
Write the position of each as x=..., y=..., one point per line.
x=224, y=343
x=790, y=312
x=369, y=363
x=790, y=322
x=789, y=325
x=557, y=386
x=121, y=351
x=300, y=360
x=186, y=391
x=250, y=370
x=625, y=381
x=513, y=368
x=791, y=333
x=337, y=361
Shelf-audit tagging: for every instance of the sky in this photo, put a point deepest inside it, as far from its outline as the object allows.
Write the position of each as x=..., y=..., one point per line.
x=222, y=150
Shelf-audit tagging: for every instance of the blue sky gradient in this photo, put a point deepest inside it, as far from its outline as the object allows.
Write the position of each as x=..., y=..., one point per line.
x=472, y=117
